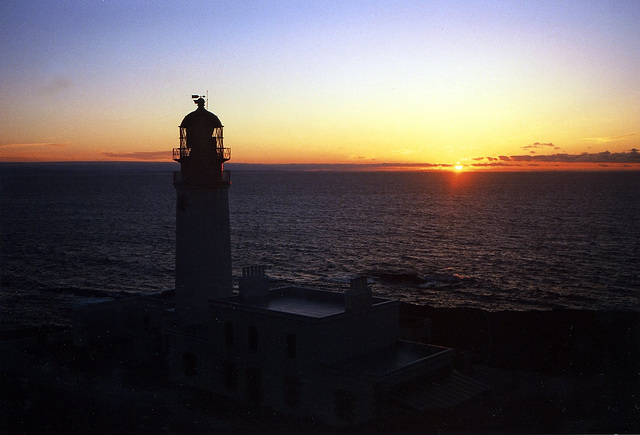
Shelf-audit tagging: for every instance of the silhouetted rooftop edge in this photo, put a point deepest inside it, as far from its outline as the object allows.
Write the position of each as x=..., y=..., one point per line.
x=201, y=117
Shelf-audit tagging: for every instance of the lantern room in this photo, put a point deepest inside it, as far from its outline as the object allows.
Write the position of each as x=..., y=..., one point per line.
x=201, y=153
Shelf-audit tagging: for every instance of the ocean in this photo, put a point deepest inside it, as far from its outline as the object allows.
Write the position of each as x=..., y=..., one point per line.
x=80, y=232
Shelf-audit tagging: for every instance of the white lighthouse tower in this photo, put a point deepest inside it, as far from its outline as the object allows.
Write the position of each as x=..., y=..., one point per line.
x=203, y=240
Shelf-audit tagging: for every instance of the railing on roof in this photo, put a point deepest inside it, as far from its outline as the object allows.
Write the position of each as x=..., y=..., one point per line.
x=179, y=153
x=222, y=153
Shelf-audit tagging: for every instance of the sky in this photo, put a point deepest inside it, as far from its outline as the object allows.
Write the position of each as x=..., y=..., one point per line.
x=425, y=84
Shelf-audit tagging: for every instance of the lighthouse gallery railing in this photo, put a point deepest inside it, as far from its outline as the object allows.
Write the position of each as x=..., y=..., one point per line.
x=179, y=153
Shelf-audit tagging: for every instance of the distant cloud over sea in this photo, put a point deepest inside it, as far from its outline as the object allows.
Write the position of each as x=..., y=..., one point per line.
x=631, y=156
x=141, y=155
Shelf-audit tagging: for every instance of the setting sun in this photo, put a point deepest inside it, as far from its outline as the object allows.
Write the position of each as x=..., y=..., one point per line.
x=505, y=86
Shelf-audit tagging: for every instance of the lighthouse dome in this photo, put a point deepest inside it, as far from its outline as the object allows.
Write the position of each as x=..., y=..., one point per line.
x=201, y=119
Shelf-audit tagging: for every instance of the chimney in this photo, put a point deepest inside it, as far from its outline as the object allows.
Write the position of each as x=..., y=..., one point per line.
x=358, y=298
x=254, y=283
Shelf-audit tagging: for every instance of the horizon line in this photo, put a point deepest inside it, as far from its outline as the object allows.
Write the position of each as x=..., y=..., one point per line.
x=373, y=167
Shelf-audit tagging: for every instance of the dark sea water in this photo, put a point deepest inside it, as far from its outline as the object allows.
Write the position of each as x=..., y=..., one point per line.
x=498, y=241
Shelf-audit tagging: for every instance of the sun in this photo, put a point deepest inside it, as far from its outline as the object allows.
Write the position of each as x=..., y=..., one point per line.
x=458, y=167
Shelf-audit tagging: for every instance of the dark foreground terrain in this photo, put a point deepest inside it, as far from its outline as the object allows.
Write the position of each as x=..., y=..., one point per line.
x=556, y=371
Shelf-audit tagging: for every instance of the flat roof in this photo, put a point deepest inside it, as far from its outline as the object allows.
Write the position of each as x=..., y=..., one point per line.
x=301, y=301
x=295, y=304
x=398, y=357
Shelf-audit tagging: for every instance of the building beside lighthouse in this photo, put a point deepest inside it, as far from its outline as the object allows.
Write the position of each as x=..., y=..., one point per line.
x=329, y=355
x=332, y=356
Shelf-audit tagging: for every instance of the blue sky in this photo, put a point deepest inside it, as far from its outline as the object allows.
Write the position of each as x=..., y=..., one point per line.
x=334, y=82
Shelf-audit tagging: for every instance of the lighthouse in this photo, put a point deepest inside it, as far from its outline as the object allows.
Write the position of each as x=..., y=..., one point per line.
x=203, y=239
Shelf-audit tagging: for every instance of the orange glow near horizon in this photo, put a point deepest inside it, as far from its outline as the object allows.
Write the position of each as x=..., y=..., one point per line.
x=524, y=168
x=48, y=152
x=426, y=86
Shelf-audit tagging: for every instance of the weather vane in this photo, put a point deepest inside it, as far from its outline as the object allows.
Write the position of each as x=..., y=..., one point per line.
x=205, y=97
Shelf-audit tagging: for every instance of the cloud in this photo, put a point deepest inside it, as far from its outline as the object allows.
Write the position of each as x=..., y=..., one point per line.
x=28, y=145
x=33, y=151
x=335, y=166
x=55, y=87
x=610, y=138
x=140, y=155
x=491, y=165
x=537, y=145
x=403, y=152
x=359, y=157
x=632, y=156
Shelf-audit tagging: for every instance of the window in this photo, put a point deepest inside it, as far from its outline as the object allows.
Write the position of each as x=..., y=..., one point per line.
x=291, y=392
x=230, y=375
x=344, y=405
x=253, y=338
x=291, y=345
x=253, y=385
x=189, y=364
x=228, y=334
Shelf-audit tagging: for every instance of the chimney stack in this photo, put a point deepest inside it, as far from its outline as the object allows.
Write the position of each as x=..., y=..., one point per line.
x=359, y=297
